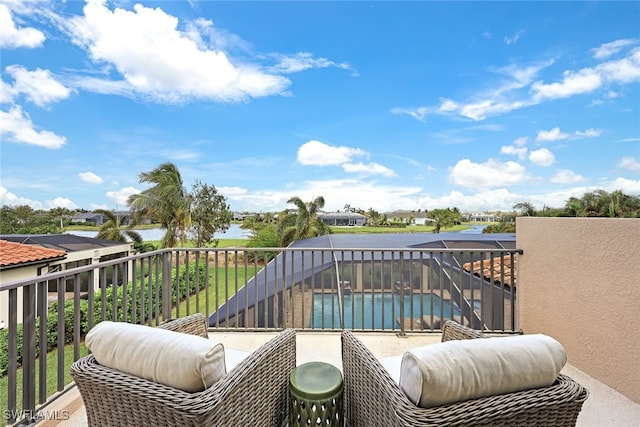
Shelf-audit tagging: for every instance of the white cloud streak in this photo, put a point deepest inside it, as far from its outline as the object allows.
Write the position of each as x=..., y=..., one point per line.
x=492, y=173
x=606, y=50
x=90, y=177
x=566, y=176
x=17, y=126
x=39, y=86
x=508, y=94
x=157, y=60
x=542, y=157
x=369, y=169
x=316, y=153
x=120, y=197
x=12, y=37
x=629, y=163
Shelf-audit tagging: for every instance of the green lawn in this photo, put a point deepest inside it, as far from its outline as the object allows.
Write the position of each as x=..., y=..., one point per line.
x=52, y=377
x=221, y=279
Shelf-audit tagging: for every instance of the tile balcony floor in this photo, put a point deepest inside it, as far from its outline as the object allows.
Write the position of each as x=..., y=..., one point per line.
x=604, y=407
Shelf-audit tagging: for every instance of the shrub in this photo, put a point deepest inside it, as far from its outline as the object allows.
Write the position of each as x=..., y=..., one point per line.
x=197, y=278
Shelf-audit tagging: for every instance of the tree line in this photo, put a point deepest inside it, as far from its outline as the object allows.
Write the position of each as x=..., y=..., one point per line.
x=198, y=214
x=597, y=204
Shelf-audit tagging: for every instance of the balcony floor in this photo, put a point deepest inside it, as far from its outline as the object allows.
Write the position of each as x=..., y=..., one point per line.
x=605, y=406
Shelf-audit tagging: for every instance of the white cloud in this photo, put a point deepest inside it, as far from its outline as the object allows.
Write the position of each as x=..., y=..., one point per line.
x=589, y=133
x=490, y=174
x=96, y=206
x=6, y=93
x=517, y=149
x=16, y=125
x=542, y=157
x=320, y=154
x=629, y=163
x=552, y=135
x=10, y=199
x=508, y=94
x=566, y=176
x=159, y=61
x=585, y=80
x=39, y=86
x=12, y=37
x=120, y=197
x=369, y=169
x=488, y=107
x=61, y=202
x=573, y=83
x=607, y=49
x=625, y=70
x=90, y=177
x=514, y=38
x=628, y=186
x=303, y=61
x=556, y=134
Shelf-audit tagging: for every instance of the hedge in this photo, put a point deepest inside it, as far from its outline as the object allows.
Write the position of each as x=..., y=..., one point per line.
x=141, y=289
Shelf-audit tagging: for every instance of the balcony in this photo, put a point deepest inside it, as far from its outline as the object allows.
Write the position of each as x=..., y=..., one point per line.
x=604, y=407
x=319, y=290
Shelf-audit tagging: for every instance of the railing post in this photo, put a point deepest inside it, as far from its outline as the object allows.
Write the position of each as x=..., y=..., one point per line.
x=166, y=284
x=12, y=373
x=29, y=348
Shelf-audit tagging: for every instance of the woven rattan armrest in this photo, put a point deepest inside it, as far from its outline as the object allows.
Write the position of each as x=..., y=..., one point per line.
x=455, y=331
x=255, y=392
x=373, y=399
x=195, y=324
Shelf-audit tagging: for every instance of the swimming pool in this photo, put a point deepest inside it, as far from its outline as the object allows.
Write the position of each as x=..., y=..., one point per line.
x=372, y=306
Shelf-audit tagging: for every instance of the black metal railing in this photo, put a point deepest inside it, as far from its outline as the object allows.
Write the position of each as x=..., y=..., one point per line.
x=396, y=290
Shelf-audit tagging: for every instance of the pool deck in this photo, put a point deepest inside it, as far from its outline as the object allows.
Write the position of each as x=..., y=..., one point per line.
x=604, y=407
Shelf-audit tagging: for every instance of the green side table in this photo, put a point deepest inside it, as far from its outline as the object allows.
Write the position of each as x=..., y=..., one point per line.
x=316, y=395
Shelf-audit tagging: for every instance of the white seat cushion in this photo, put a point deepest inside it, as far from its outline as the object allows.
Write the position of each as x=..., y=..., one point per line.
x=183, y=361
x=392, y=365
x=467, y=369
x=233, y=357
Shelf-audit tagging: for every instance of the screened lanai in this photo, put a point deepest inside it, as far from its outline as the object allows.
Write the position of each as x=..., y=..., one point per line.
x=337, y=265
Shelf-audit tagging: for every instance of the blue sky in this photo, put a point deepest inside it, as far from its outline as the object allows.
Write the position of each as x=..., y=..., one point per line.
x=383, y=105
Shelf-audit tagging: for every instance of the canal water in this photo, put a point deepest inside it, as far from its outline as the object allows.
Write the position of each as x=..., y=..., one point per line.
x=234, y=232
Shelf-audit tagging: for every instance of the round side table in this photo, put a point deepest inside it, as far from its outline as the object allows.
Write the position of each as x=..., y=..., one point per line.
x=316, y=395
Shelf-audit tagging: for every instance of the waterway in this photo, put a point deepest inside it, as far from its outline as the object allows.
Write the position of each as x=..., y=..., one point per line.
x=234, y=232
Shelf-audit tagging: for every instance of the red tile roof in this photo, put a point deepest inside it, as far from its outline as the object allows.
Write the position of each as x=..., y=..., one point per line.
x=491, y=269
x=14, y=254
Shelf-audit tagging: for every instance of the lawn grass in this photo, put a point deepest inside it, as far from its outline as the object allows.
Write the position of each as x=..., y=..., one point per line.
x=51, y=373
x=221, y=278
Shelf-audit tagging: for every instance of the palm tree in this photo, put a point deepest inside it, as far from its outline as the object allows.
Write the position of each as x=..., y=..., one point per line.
x=60, y=213
x=167, y=202
x=526, y=208
x=304, y=223
x=112, y=229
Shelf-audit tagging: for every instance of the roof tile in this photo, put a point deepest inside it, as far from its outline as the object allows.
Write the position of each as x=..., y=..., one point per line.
x=14, y=254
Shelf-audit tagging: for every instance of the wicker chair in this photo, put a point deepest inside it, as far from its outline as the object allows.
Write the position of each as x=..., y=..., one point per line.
x=372, y=398
x=255, y=392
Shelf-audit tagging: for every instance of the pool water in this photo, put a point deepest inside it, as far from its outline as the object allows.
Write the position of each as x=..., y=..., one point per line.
x=373, y=305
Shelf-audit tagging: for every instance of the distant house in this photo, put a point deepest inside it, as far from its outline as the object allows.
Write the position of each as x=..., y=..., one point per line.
x=98, y=219
x=343, y=219
x=480, y=217
x=410, y=217
x=90, y=217
x=25, y=256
